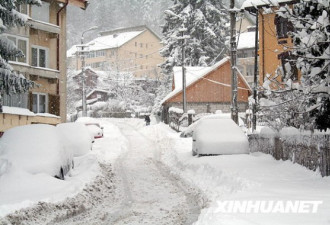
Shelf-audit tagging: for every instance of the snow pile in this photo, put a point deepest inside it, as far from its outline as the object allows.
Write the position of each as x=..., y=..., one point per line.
x=242, y=177
x=76, y=138
x=17, y=111
x=112, y=145
x=20, y=189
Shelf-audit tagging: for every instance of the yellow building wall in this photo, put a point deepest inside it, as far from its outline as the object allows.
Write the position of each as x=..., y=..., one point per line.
x=131, y=57
x=270, y=46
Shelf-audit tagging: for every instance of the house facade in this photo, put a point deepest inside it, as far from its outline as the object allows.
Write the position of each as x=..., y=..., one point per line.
x=134, y=50
x=43, y=42
x=208, y=89
x=275, y=58
x=91, y=80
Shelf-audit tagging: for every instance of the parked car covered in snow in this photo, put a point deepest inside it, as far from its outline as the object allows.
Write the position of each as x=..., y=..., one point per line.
x=36, y=148
x=221, y=136
x=76, y=138
x=93, y=126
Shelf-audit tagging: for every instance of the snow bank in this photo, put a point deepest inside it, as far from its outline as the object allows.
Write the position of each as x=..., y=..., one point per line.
x=20, y=189
x=242, y=177
x=76, y=138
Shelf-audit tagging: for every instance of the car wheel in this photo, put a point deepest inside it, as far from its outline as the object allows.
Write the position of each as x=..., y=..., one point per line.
x=194, y=153
x=61, y=175
x=72, y=164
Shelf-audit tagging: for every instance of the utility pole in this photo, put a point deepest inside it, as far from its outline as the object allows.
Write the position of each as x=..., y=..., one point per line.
x=184, y=95
x=83, y=79
x=255, y=78
x=233, y=50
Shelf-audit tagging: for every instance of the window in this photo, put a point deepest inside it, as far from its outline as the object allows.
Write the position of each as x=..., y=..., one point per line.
x=100, y=53
x=241, y=54
x=39, y=56
x=147, y=45
x=21, y=44
x=283, y=26
x=39, y=103
x=135, y=44
x=40, y=13
x=141, y=45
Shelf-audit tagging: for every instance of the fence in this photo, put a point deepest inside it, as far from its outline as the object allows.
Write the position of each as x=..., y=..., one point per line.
x=311, y=151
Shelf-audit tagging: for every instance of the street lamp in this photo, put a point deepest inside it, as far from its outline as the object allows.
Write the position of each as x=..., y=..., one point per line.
x=84, y=104
x=183, y=38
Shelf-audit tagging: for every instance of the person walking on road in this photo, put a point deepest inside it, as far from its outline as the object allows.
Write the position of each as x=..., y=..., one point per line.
x=147, y=119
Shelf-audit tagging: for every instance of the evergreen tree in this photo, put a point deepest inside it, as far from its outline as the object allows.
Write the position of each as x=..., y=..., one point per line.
x=10, y=82
x=204, y=22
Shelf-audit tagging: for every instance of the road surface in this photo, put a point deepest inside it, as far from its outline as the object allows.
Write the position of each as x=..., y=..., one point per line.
x=136, y=189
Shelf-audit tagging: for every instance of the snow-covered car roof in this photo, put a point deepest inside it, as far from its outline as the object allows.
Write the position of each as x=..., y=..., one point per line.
x=76, y=138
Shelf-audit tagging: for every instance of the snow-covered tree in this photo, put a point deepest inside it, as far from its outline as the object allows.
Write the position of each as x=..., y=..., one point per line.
x=305, y=104
x=203, y=23
x=11, y=82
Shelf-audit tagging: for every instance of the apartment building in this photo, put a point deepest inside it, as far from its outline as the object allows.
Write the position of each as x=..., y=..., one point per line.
x=134, y=50
x=43, y=42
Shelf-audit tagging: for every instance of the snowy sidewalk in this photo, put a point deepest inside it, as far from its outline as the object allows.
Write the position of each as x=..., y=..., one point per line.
x=255, y=177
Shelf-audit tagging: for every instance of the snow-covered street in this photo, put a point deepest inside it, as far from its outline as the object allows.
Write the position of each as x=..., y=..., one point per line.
x=147, y=175
x=132, y=188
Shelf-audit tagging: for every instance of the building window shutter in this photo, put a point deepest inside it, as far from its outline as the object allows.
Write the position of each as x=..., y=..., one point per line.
x=30, y=101
x=54, y=104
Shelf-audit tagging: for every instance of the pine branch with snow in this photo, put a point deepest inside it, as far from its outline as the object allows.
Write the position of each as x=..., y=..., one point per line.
x=310, y=98
x=11, y=82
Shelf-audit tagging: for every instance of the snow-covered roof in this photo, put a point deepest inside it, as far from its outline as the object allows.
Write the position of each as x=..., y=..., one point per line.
x=192, y=74
x=72, y=51
x=246, y=40
x=258, y=3
x=98, y=90
x=106, y=42
x=77, y=72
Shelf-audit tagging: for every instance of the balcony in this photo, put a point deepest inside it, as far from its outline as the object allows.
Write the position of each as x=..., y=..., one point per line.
x=37, y=71
x=47, y=27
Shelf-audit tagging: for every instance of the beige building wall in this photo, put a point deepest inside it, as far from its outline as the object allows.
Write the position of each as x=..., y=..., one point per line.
x=140, y=56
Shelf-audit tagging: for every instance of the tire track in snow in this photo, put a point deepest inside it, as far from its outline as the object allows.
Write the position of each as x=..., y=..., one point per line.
x=188, y=209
